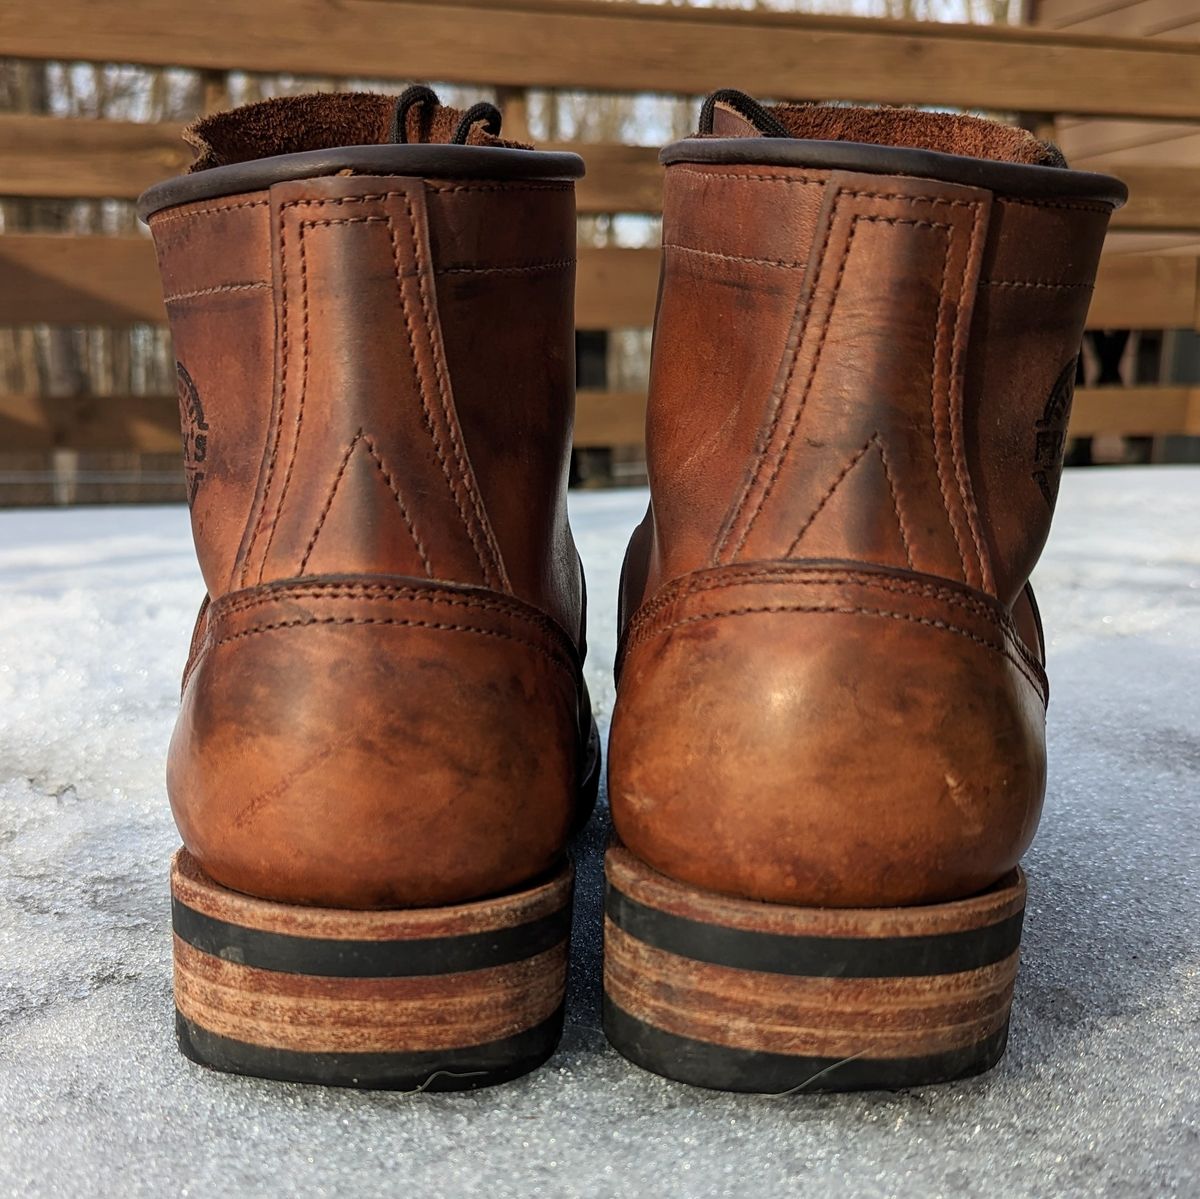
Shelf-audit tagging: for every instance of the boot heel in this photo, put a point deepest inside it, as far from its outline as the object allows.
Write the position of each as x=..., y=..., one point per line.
x=745, y=996
x=437, y=998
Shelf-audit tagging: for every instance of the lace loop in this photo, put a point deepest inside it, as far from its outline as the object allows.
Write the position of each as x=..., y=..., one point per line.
x=745, y=106
x=410, y=98
x=483, y=111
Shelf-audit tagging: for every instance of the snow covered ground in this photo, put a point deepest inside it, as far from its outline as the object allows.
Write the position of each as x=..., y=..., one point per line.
x=1099, y=1094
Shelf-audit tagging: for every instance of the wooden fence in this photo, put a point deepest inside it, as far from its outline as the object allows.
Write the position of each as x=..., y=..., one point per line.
x=1030, y=74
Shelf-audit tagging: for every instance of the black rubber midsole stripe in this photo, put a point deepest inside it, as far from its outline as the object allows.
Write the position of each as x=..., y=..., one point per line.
x=815, y=957
x=441, y=1069
x=704, y=1064
x=331, y=958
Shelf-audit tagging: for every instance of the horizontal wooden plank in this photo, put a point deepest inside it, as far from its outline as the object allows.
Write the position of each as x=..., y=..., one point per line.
x=1185, y=244
x=1102, y=145
x=68, y=158
x=604, y=418
x=615, y=288
x=150, y=423
x=146, y=423
x=60, y=279
x=1146, y=18
x=628, y=47
x=24, y=423
x=61, y=157
x=64, y=157
x=620, y=178
x=610, y=418
x=1058, y=14
x=1160, y=198
x=1125, y=18
x=1142, y=291
x=57, y=279
x=1135, y=411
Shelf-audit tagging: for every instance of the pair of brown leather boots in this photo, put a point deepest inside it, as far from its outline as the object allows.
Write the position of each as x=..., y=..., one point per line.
x=827, y=754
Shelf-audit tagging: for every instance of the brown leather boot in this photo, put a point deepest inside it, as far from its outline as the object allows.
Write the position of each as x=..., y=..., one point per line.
x=828, y=750
x=385, y=739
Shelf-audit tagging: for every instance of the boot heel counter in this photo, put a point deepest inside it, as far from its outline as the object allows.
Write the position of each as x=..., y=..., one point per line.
x=820, y=735
x=369, y=744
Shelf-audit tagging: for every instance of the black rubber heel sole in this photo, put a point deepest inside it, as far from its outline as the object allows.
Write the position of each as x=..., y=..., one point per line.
x=434, y=999
x=743, y=996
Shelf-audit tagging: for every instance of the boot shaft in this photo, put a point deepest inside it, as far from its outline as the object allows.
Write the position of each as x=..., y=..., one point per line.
x=862, y=373
x=375, y=354
x=371, y=306
x=866, y=352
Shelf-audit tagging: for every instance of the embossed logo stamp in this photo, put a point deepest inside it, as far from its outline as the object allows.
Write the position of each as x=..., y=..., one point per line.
x=1051, y=433
x=194, y=428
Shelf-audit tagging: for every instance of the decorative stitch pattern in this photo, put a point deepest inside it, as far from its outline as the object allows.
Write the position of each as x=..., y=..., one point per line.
x=496, y=564
x=777, y=406
x=167, y=217
x=934, y=201
x=957, y=437
x=887, y=474
x=285, y=349
x=798, y=180
x=547, y=185
x=781, y=457
x=937, y=357
x=855, y=459
x=556, y=264
x=842, y=610
x=212, y=291
x=360, y=437
x=398, y=622
x=285, y=343
x=242, y=602
x=736, y=576
x=1069, y=205
x=279, y=395
x=365, y=198
x=642, y=624
x=291, y=466
x=669, y=245
x=1046, y=283
x=957, y=455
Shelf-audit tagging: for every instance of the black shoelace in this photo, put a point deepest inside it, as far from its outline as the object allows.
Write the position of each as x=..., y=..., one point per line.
x=419, y=95
x=489, y=114
x=413, y=97
x=745, y=106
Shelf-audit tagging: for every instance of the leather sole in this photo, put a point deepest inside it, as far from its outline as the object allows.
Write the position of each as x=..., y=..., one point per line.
x=434, y=999
x=738, y=995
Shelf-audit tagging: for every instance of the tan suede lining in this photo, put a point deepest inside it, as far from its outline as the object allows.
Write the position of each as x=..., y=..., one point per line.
x=916, y=129
x=324, y=121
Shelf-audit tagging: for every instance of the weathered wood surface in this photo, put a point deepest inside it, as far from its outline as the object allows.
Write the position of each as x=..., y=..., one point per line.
x=151, y=424
x=112, y=281
x=588, y=44
x=71, y=157
x=60, y=279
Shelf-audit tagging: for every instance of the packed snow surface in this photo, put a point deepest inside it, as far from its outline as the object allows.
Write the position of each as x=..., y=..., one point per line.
x=1099, y=1093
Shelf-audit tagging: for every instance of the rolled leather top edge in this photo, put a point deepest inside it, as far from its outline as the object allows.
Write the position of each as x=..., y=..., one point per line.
x=1007, y=178
x=432, y=160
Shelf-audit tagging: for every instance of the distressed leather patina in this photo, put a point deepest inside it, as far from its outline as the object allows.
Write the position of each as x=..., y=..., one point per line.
x=831, y=686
